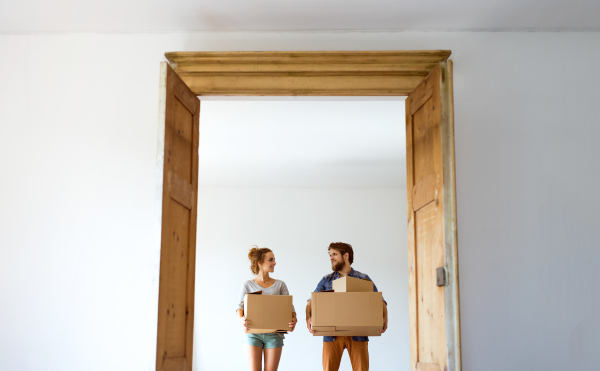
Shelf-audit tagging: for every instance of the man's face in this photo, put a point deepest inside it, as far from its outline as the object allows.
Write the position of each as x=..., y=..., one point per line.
x=337, y=260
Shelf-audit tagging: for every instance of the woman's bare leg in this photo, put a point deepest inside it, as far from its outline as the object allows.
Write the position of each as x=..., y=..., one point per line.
x=272, y=357
x=253, y=357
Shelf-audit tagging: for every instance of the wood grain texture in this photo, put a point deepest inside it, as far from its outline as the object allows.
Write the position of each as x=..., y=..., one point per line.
x=421, y=94
x=351, y=73
x=427, y=301
x=427, y=367
x=431, y=324
x=424, y=192
x=412, y=255
x=175, y=364
x=178, y=223
x=450, y=221
x=181, y=190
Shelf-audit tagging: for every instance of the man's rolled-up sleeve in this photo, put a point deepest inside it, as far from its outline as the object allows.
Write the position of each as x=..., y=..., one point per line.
x=321, y=286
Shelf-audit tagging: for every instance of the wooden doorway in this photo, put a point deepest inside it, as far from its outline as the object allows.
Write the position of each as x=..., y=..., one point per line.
x=425, y=77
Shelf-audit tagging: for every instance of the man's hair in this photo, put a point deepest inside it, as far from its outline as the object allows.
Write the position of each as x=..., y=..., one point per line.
x=343, y=248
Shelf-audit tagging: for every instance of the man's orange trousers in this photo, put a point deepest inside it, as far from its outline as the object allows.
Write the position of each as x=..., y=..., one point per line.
x=357, y=350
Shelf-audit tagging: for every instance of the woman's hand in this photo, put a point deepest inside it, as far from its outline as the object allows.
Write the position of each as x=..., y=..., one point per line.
x=244, y=323
x=293, y=323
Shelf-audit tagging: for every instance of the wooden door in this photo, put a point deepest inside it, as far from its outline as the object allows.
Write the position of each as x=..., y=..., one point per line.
x=179, y=115
x=432, y=258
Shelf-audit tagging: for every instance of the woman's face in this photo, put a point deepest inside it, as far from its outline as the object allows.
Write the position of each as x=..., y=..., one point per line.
x=268, y=265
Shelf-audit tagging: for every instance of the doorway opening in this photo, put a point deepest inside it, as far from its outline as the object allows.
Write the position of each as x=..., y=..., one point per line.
x=294, y=175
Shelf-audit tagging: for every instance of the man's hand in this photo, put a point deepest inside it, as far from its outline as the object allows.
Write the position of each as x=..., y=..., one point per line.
x=309, y=317
x=309, y=325
x=385, y=319
x=385, y=323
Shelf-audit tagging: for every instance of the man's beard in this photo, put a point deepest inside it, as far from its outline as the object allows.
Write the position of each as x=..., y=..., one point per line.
x=338, y=266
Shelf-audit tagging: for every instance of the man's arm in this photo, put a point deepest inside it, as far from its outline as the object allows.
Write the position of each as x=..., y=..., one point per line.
x=385, y=313
x=320, y=287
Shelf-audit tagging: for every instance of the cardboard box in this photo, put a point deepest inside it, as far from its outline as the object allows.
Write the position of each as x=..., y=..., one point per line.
x=268, y=313
x=351, y=284
x=347, y=313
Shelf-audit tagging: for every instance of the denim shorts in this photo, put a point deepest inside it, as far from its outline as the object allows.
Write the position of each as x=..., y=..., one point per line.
x=267, y=341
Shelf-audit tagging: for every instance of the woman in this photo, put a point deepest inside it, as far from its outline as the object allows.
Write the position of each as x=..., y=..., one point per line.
x=262, y=262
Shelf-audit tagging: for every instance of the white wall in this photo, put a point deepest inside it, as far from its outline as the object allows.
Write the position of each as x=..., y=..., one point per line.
x=297, y=224
x=79, y=266
x=302, y=143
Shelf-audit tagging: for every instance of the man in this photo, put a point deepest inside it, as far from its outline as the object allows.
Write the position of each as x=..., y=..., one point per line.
x=341, y=256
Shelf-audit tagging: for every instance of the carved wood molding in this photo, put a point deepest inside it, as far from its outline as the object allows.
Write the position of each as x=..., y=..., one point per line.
x=347, y=73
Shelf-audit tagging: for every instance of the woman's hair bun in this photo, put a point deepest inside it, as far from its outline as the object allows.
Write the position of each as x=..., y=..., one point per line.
x=253, y=252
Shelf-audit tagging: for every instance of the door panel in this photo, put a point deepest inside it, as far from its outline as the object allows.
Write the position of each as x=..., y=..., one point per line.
x=178, y=152
x=431, y=325
x=434, y=337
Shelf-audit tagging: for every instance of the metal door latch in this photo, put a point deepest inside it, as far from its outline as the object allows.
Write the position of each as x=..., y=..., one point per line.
x=441, y=276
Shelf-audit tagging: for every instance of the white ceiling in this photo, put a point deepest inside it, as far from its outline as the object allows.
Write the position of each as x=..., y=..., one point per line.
x=231, y=15
x=302, y=143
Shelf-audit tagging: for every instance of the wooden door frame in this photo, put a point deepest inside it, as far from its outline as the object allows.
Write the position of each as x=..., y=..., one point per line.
x=342, y=73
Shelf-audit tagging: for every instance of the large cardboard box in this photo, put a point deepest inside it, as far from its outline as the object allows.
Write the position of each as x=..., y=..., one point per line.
x=268, y=313
x=351, y=284
x=347, y=313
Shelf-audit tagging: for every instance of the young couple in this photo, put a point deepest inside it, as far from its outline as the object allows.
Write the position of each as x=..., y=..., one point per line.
x=262, y=263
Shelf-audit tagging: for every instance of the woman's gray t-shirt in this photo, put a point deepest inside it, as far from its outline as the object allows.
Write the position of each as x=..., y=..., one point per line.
x=278, y=288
